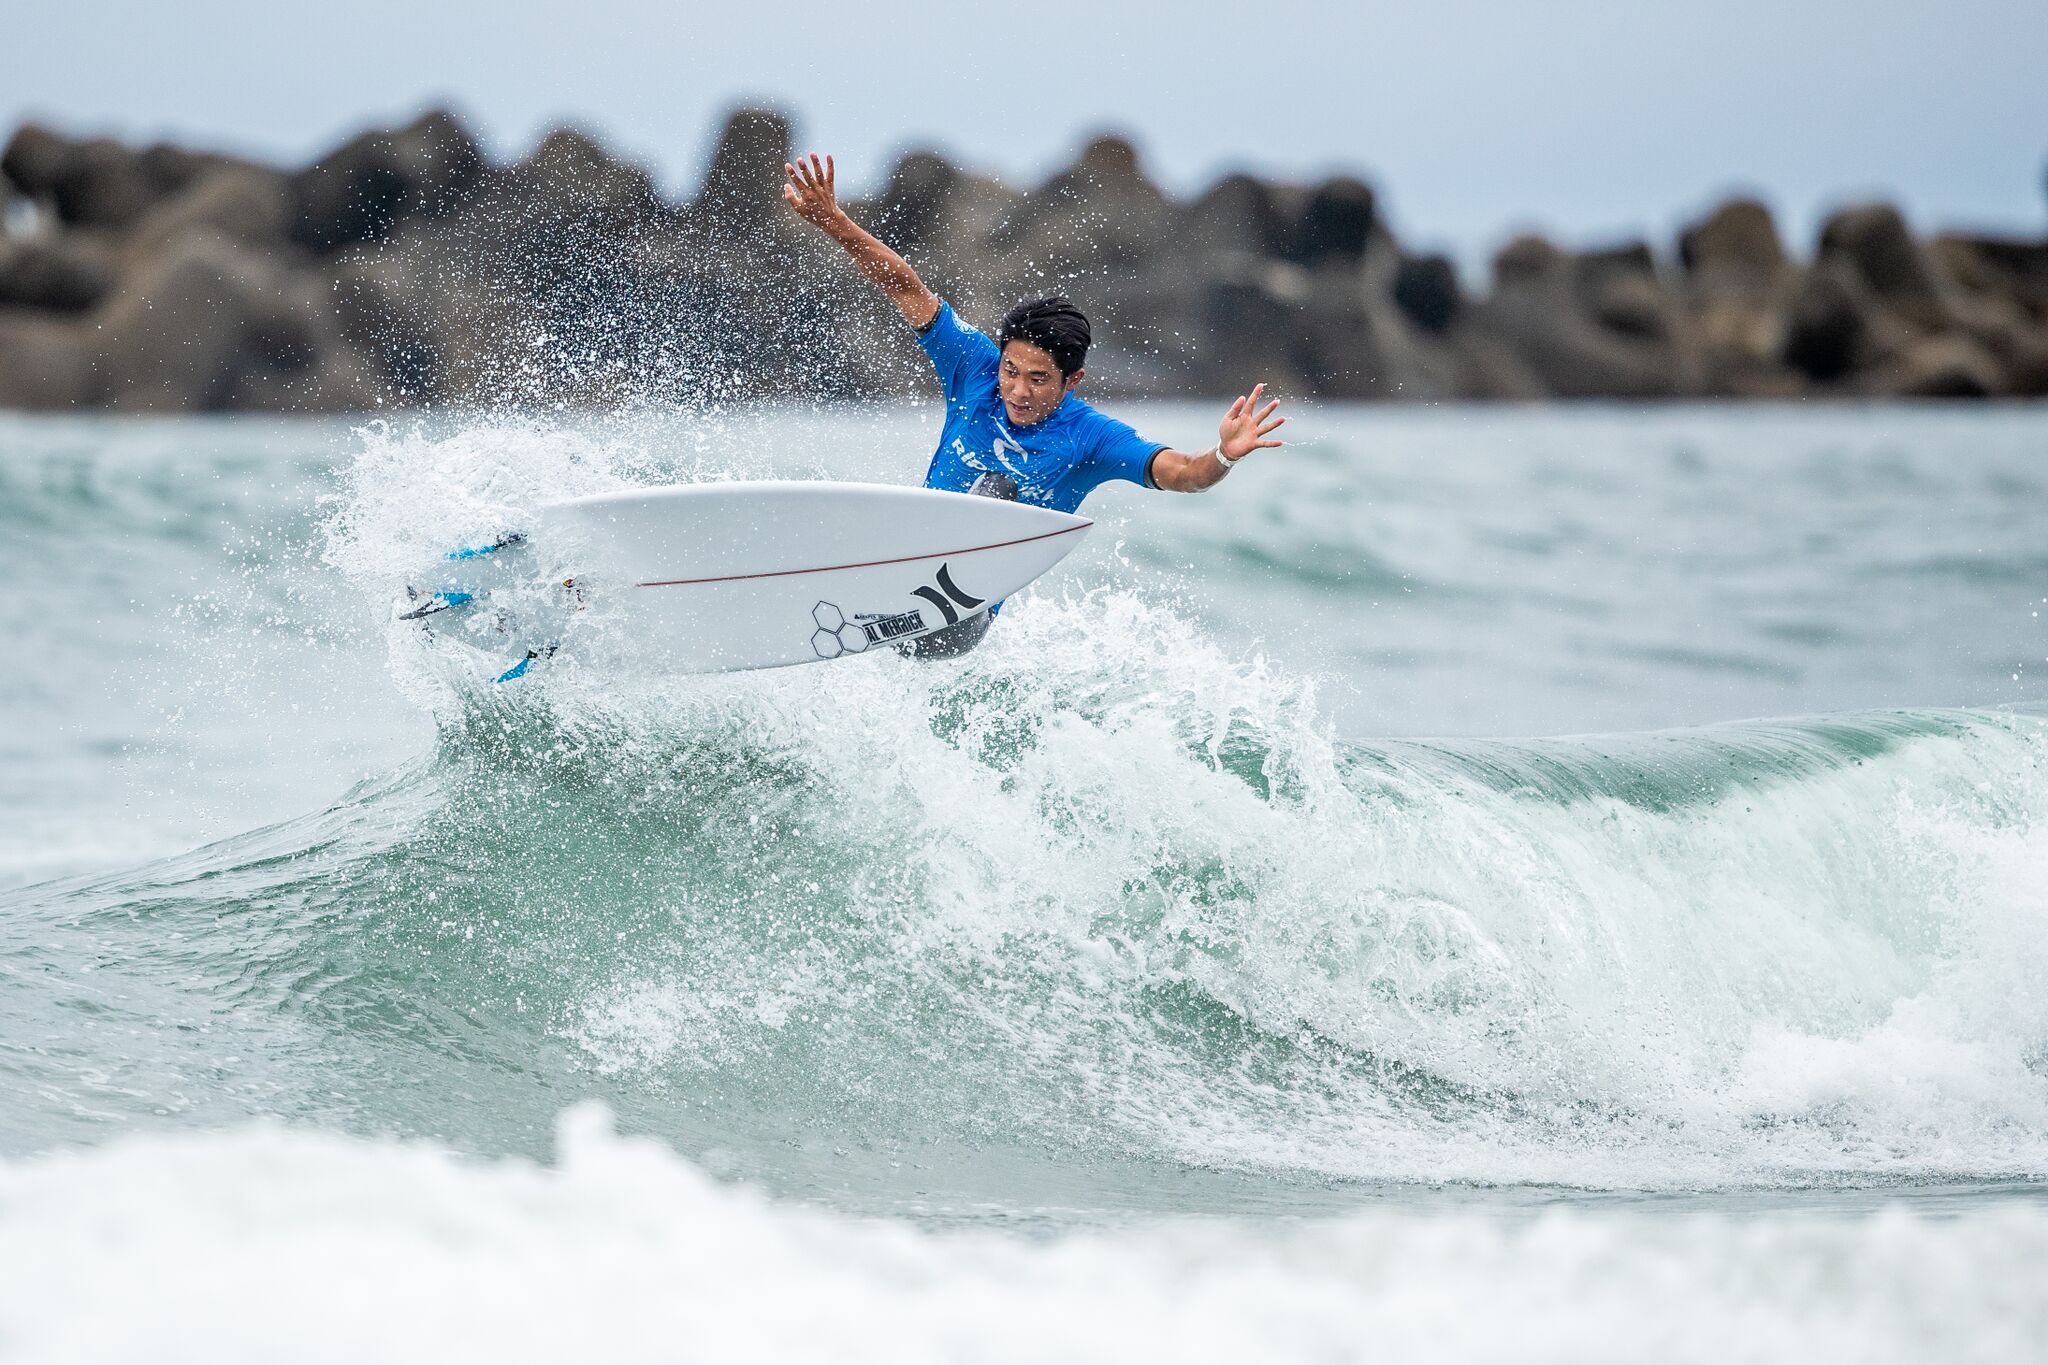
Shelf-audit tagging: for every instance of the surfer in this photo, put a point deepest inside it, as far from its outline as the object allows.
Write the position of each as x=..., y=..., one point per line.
x=1014, y=426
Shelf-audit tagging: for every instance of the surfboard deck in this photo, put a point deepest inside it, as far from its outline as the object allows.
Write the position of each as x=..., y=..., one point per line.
x=719, y=577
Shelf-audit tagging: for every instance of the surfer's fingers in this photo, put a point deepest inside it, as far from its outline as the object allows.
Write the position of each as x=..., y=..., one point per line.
x=1274, y=425
x=1268, y=410
x=831, y=172
x=818, y=170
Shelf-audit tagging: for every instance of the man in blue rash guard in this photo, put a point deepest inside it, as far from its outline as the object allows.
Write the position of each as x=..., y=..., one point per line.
x=1014, y=426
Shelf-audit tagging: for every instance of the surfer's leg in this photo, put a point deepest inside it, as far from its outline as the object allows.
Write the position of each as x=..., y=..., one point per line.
x=952, y=641
x=956, y=639
x=999, y=486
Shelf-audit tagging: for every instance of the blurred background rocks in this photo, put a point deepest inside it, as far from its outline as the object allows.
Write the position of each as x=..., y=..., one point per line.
x=405, y=268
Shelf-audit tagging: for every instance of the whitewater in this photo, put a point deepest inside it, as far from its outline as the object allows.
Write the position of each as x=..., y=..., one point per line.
x=1482, y=884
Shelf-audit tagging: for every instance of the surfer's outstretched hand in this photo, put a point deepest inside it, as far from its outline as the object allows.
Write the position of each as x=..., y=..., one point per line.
x=1246, y=426
x=811, y=189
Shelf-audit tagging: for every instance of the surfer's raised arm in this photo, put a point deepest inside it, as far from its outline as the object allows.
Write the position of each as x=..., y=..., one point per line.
x=811, y=192
x=1244, y=429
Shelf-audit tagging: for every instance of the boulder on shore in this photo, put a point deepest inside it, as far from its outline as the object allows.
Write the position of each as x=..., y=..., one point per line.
x=97, y=182
x=1587, y=327
x=1873, y=242
x=43, y=364
x=1941, y=367
x=362, y=189
x=205, y=326
x=54, y=275
x=1739, y=287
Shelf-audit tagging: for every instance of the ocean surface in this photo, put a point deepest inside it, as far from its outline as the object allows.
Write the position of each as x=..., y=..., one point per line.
x=1481, y=885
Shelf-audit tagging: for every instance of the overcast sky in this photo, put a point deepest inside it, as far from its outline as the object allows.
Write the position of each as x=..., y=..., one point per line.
x=1589, y=120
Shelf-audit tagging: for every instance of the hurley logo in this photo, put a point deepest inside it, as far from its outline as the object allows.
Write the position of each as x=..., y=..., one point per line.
x=947, y=595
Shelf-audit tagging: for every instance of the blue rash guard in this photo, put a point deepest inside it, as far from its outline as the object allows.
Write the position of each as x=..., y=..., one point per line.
x=1056, y=462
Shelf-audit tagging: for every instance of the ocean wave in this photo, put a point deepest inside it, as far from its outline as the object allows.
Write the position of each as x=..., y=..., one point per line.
x=1109, y=892
x=1106, y=891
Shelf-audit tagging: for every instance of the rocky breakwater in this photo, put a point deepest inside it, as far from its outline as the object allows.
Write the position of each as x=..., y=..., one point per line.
x=406, y=268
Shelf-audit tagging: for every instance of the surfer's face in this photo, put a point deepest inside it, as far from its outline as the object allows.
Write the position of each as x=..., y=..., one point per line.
x=1032, y=384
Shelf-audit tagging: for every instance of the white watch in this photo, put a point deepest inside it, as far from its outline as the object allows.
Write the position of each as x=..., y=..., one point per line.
x=1225, y=460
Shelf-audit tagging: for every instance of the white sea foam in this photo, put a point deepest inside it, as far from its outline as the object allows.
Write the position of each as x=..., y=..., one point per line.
x=264, y=1244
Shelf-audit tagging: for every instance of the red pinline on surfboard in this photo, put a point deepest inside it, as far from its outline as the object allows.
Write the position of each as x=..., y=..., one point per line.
x=867, y=564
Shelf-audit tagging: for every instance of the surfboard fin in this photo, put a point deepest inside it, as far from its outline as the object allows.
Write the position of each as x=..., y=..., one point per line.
x=479, y=551
x=518, y=670
x=436, y=601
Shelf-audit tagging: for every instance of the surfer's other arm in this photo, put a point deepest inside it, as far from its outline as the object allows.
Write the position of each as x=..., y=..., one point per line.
x=1244, y=429
x=811, y=192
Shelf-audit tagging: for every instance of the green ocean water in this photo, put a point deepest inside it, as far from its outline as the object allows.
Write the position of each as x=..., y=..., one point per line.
x=1568, y=882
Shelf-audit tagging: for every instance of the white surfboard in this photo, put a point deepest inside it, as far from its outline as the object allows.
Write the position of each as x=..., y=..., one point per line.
x=722, y=576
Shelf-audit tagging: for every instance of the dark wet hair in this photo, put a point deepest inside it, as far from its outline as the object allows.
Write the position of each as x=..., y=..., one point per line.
x=1053, y=325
